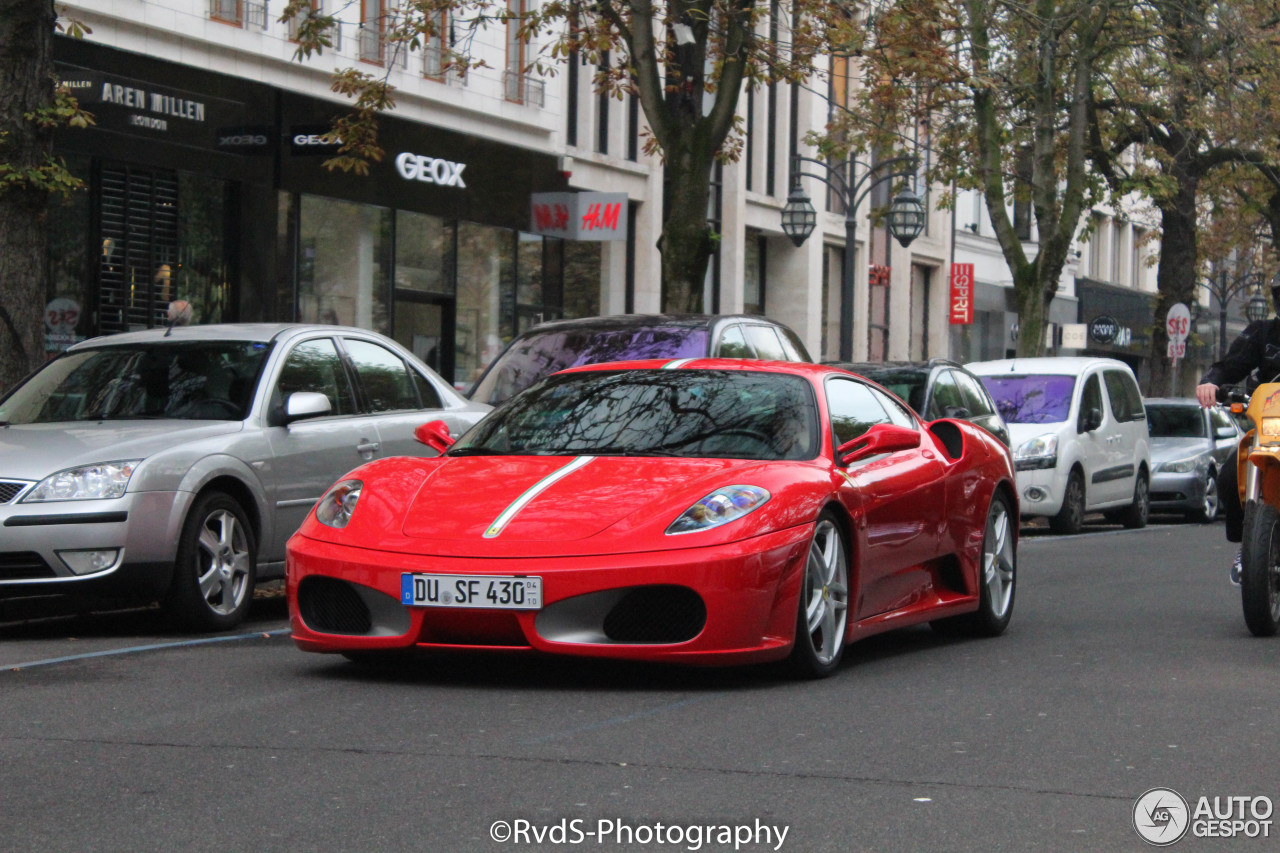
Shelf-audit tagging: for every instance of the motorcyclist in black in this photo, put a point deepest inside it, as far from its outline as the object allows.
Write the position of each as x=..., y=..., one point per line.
x=1256, y=350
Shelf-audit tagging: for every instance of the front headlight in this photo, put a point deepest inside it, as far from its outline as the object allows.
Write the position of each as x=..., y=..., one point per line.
x=719, y=507
x=337, y=505
x=1179, y=466
x=1039, y=452
x=86, y=483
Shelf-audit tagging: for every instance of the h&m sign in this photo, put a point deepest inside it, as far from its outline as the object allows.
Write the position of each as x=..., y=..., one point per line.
x=596, y=217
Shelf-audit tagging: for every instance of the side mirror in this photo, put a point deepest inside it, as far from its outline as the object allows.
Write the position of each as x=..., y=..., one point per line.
x=881, y=438
x=1224, y=432
x=305, y=404
x=434, y=434
x=958, y=412
x=1092, y=420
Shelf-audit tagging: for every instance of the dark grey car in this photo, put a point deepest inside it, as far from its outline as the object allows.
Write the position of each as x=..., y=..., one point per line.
x=938, y=388
x=560, y=344
x=1189, y=445
x=173, y=466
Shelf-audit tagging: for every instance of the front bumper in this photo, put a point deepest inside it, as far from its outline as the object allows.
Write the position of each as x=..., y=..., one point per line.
x=726, y=604
x=1177, y=492
x=1040, y=491
x=142, y=528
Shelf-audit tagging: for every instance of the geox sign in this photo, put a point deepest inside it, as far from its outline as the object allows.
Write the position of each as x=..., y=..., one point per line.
x=416, y=167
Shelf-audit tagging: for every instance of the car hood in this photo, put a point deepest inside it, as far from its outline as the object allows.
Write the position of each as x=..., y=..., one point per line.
x=1168, y=449
x=34, y=451
x=559, y=498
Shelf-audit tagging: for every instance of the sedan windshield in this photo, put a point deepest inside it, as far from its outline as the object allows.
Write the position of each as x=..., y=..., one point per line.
x=689, y=413
x=1176, y=421
x=1031, y=399
x=532, y=358
x=206, y=380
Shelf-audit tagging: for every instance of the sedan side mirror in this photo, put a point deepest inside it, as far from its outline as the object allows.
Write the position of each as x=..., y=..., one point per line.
x=1092, y=420
x=305, y=404
x=434, y=434
x=1224, y=432
x=881, y=438
x=957, y=412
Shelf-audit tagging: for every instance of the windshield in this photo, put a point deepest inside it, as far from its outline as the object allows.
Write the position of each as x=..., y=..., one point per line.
x=688, y=413
x=907, y=382
x=208, y=380
x=1176, y=422
x=531, y=358
x=1031, y=399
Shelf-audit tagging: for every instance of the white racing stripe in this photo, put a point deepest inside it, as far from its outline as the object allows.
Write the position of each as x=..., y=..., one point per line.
x=678, y=363
x=532, y=492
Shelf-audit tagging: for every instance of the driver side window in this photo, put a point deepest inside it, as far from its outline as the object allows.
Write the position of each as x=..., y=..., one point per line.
x=316, y=366
x=854, y=409
x=1090, y=398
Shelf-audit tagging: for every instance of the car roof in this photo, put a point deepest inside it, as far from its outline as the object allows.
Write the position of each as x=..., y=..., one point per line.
x=1065, y=364
x=630, y=321
x=799, y=368
x=857, y=366
x=216, y=332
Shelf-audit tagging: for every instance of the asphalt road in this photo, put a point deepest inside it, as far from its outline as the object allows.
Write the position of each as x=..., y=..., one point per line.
x=1127, y=667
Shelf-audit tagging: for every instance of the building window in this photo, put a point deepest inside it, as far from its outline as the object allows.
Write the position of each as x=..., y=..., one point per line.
x=434, y=47
x=753, y=273
x=372, y=37
x=514, y=76
x=344, y=262
x=602, y=111
x=226, y=11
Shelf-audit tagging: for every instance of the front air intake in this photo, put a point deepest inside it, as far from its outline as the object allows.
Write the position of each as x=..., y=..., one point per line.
x=331, y=606
x=656, y=614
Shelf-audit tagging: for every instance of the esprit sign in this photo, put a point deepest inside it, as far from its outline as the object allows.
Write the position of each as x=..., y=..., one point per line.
x=430, y=170
x=961, y=294
x=595, y=217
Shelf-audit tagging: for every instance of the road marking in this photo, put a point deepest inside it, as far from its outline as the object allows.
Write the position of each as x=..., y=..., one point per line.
x=282, y=632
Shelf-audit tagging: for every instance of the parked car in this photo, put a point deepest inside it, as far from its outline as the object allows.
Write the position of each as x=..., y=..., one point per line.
x=718, y=511
x=937, y=388
x=1189, y=445
x=1080, y=440
x=173, y=465
x=550, y=347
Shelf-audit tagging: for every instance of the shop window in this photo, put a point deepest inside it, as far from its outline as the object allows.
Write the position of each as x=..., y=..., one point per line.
x=485, y=296
x=753, y=267
x=67, y=312
x=424, y=253
x=138, y=209
x=343, y=263
x=583, y=272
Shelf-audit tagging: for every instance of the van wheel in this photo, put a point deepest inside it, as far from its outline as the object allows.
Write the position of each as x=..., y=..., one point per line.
x=1135, y=515
x=1070, y=518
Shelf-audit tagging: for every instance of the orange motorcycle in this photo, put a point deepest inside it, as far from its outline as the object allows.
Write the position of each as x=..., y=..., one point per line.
x=1259, y=477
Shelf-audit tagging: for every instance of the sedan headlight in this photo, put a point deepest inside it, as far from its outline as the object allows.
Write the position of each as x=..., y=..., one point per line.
x=1179, y=466
x=338, y=504
x=719, y=507
x=1039, y=452
x=86, y=483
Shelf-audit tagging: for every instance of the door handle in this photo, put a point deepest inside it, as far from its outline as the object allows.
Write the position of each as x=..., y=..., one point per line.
x=367, y=447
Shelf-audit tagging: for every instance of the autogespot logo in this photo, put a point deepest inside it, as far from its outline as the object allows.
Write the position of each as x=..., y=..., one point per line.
x=1161, y=817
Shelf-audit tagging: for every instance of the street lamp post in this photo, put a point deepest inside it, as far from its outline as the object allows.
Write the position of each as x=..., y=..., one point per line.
x=1224, y=289
x=906, y=215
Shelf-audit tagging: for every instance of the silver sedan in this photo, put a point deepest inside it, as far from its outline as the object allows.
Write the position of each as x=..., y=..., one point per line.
x=1189, y=445
x=173, y=465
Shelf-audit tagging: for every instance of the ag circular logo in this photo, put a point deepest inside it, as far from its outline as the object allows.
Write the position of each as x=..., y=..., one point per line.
x=1104, y=329
x=1161, y=817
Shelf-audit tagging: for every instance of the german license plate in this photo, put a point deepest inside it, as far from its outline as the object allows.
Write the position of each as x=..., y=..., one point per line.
x=488, y=592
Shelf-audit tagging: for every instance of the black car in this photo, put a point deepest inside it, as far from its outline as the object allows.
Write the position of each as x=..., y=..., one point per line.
x=938, y=388
x=560, y=344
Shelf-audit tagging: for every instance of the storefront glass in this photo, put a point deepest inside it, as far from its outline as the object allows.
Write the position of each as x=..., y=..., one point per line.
x=201, y=276
x=582, y=278
x=68, y=316
x=344, y=263
x=486, y=286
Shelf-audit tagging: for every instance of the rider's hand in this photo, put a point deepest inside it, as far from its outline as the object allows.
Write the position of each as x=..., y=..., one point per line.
x=1207, y=394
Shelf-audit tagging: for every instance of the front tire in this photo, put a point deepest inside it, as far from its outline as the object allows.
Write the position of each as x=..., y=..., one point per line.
x=823, y=612
x=1070, y=518
x=1135, y=515
x=216, y=567
x=1260, y=578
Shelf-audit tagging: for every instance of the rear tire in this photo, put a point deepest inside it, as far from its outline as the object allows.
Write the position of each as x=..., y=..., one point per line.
x=1070, y=518
x=1260, y=578
x=1208, y=509
x=216, y=567
x=1136, y=514
x=997, y=572
x=823, y=612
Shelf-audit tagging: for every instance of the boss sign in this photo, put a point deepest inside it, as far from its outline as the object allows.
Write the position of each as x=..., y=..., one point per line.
x=961, y=294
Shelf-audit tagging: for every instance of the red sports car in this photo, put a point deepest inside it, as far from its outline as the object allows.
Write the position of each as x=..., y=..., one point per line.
x=704, y=511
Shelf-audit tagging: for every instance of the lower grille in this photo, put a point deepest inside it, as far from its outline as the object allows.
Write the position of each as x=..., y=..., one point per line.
x=656, y=614
x=23, y=565
x=331, y=606
x=1167, y=497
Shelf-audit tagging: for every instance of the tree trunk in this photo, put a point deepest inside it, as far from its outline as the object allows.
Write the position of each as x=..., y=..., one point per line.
x=1175, y=279
x=1032, y=309
x=26, y=85
x=686, y=242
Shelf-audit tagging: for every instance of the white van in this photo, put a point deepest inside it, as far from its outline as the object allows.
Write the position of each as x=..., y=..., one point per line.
x=1079, y=435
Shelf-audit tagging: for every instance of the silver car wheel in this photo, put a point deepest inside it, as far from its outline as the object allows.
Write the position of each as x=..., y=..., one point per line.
x=1210, y=508
x=222, y=562
x=826, y=592
x=998, y=560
